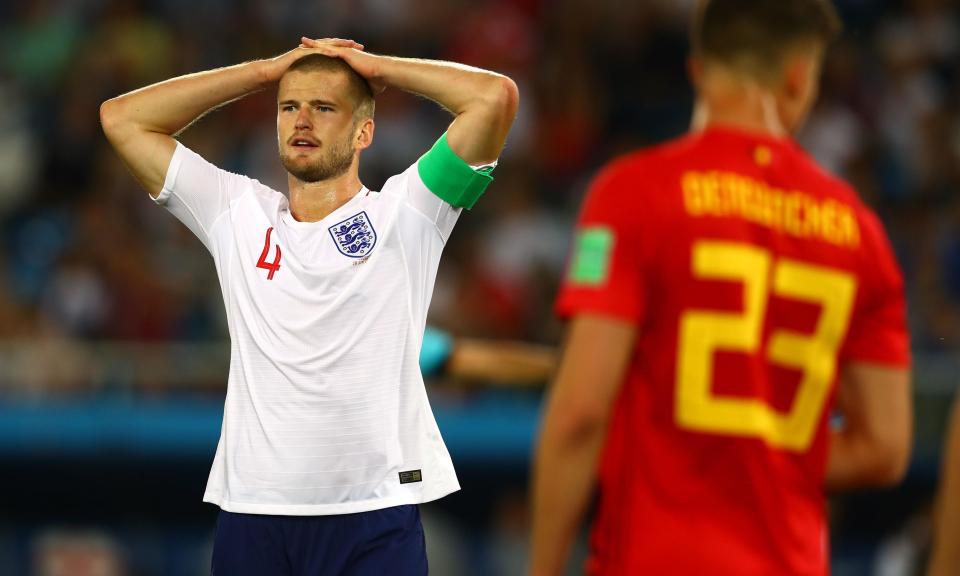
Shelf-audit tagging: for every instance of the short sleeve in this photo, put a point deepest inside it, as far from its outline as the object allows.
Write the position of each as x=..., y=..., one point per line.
x=878, y=329
x=440, y=184
x=605, y=272
x=196, y=192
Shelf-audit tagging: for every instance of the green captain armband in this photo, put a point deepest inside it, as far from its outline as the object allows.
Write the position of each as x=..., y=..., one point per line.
x=450, y=178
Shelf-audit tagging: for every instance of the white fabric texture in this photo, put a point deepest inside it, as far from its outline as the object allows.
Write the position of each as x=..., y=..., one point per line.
x=325, y=404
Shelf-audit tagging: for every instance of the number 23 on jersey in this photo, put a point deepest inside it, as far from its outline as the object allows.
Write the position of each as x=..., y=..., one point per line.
x=704, y=332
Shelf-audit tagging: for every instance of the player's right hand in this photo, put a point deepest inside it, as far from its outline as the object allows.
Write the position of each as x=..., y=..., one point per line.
x=370, y=66
x=275, y=67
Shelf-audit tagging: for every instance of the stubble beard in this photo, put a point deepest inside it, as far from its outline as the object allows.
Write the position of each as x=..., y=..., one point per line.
x=336, y=161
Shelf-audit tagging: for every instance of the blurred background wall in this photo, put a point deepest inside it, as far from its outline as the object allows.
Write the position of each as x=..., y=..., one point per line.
x=112, y=354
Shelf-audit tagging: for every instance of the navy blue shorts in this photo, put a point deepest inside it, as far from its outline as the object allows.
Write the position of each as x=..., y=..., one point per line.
x=388, y=541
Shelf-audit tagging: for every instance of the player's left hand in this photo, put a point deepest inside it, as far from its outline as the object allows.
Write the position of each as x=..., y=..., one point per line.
x=367, y=65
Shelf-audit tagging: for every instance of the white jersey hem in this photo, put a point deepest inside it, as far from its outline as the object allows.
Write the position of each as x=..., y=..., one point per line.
x=327, y=509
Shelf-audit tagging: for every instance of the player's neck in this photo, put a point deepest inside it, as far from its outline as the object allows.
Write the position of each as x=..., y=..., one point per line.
x=744, y=106
x=314, y=201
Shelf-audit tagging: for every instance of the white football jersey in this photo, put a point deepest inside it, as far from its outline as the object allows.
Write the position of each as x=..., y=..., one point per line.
x=325, y=411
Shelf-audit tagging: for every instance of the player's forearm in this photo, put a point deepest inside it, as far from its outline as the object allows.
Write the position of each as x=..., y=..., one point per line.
x=564, y=480
x=456, y=87
x=945, y=557
x=856, y=460
x=945, y=561
x=484, y=103
x=503, y=362
x=170, y=106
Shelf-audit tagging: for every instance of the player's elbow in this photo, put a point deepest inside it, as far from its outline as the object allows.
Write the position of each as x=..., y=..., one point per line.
x=883, y=459
x=502, y=97
x=894, y=443
x=111, y=117
x=509, y=97
x=118, y=122
x=891, y=463
x=579, y=421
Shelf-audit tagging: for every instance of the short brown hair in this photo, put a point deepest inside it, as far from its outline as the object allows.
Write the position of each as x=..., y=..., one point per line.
x=360, y=92
x=755, y=36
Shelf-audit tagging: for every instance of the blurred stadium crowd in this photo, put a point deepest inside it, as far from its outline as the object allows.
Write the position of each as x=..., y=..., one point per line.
x=87, y=259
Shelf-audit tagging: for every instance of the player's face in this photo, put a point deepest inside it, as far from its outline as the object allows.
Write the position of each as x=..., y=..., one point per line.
x=315, y=126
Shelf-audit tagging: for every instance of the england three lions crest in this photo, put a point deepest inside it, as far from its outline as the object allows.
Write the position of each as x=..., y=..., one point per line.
x=355, y=236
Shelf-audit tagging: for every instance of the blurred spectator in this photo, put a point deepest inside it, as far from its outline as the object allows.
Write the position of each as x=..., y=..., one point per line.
x=19, y=157
x=77, y=554
x=598, y=79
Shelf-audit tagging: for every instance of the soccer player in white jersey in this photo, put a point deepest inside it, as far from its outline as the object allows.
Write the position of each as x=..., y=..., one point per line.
x=328, y=443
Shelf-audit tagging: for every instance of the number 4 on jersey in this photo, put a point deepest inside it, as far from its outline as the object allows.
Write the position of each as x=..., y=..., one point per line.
x=262, y=262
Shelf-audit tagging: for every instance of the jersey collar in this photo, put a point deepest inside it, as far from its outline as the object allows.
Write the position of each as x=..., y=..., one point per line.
x=334, y=216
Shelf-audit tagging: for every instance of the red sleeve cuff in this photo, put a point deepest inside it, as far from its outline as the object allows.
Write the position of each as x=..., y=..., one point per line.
x=888, y=350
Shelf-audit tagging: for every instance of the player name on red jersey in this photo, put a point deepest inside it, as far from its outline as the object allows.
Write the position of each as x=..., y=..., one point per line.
x=792, y=212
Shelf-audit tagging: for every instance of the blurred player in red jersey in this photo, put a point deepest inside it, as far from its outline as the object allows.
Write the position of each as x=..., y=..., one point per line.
x=725, y=295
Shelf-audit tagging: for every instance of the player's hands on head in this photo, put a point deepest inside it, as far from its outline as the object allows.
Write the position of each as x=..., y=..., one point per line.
x=277, y=66
x=366, y=65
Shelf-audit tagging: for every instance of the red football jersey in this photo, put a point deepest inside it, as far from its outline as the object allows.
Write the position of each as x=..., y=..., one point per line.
x=752, y=277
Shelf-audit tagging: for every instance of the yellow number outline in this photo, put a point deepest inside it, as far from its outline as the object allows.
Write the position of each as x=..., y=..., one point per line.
x=703, y=332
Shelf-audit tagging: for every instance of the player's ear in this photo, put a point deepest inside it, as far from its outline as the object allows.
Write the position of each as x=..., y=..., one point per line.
x=801, y=75
x=364, y=134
